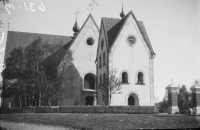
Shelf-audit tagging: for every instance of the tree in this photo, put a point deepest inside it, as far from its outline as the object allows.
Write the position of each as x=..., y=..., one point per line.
x=183, y=99
x=66, y=80
x=2, y=6
x=24, y=78
x=4, y=1
x=110, y=85
x=13, y=74
x=34, y=54
x=163, y=105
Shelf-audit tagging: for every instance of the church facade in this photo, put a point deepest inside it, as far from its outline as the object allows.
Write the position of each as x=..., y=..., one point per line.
x=124, y=46
x=120, y=44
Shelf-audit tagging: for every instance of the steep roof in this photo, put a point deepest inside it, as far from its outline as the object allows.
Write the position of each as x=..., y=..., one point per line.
x=145, y=35
x=16, y=39
x=113, y=27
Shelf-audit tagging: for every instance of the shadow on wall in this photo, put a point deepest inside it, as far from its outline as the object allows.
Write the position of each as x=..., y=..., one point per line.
x=70, y=88
x=31, y=80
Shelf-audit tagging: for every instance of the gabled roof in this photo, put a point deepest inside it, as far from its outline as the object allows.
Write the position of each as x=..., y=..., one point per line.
x=90, y=15
x=113, y=27
x=110, y=28
x=16, y=39
x=55, y=59
x=144, y=34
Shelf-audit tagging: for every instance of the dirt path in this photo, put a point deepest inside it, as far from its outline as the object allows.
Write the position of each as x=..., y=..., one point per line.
x=4, y=125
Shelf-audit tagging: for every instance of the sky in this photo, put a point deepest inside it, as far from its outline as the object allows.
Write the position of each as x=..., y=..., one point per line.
x=173, y=27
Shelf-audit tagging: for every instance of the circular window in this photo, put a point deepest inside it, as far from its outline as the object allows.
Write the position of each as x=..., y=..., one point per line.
x=131, y=39
x=90, y=41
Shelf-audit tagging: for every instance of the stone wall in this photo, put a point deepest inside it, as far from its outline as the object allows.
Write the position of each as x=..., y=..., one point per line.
x=85, y=109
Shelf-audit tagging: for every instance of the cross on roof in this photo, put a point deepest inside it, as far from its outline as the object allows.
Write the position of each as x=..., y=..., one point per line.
x=91, y=5
x=77, y=12
x=90, y=8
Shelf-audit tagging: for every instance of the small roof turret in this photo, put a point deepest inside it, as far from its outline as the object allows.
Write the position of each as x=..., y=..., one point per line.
x=122, y=14
x=76, y=27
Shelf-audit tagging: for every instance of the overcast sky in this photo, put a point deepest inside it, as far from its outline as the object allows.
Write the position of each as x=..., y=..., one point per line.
x=173, y=27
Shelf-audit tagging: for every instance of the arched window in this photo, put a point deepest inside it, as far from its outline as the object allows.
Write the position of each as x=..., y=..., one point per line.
x=99, y=61
x=104, y=58
x=104, y=78
x=102, y=44
x=89, y=81
x=100, y=80
x=124, y=77
x=140, y=77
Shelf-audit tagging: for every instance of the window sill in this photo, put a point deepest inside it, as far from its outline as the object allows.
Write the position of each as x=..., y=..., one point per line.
x=139, y=84
x=125, y=83
x=89, y=90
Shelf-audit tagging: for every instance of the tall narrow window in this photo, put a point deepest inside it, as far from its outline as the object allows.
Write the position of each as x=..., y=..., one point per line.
x=140, y=78
x=99, y=61
x=100, y=80
x=104, y=78
x=124, y=77
x=102, y=44
x=104, y=58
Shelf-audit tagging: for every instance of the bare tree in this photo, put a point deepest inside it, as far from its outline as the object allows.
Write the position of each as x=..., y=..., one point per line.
x=2, y=6
x=110, y=85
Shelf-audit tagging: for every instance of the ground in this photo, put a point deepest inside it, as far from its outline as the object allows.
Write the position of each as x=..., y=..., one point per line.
x=106, y=121
x=4, y=125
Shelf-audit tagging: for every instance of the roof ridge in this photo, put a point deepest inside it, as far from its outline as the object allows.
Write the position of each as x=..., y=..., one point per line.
x=38, y=33
x=110, y=18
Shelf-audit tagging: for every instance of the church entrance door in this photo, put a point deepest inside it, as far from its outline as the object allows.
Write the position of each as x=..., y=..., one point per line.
x=89, y=100
x=131, y=100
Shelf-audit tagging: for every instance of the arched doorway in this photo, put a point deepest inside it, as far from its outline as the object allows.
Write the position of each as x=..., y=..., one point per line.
x=89, y=81
x=131, y=100
x=89, y=100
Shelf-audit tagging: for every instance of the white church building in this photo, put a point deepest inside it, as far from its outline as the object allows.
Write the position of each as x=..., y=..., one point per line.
x=120, y=43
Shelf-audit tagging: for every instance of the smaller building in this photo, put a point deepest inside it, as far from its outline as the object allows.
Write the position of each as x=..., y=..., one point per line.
x=173, y=91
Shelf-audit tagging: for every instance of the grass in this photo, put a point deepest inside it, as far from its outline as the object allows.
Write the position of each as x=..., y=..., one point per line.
x=106, y=121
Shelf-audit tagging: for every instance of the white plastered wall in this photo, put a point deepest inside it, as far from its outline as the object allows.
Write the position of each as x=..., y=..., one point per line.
x=103, y=69
x=132, y=59
x=84, y=56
